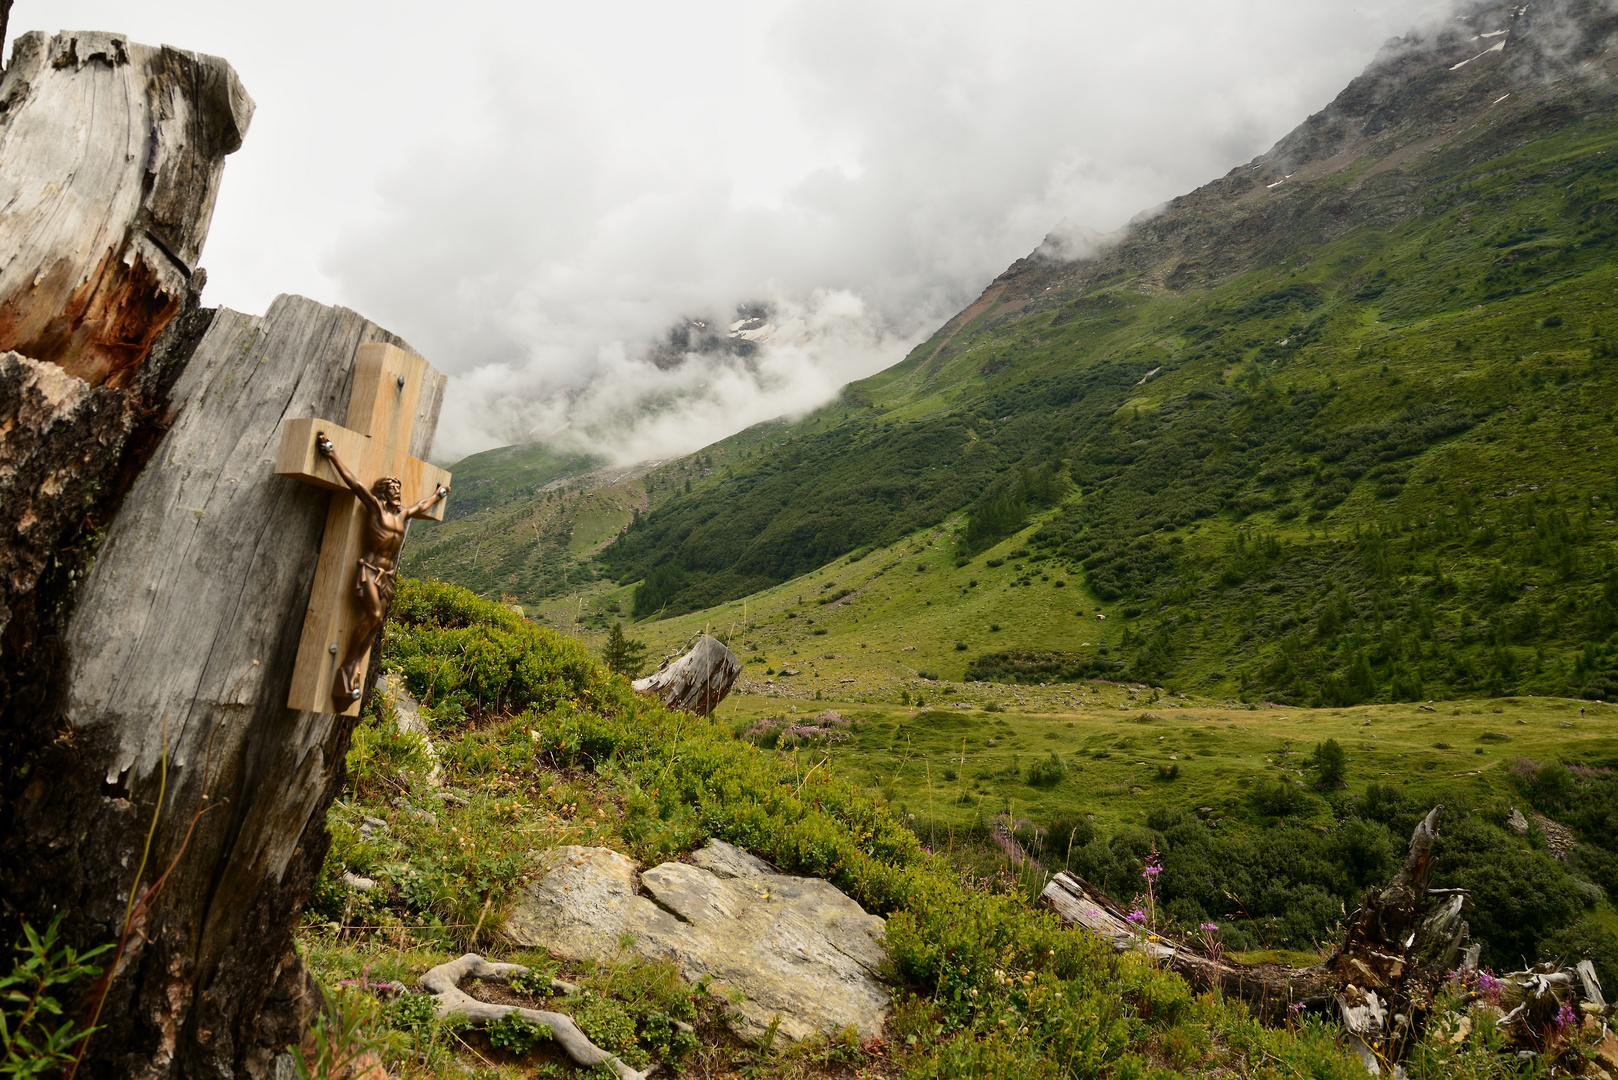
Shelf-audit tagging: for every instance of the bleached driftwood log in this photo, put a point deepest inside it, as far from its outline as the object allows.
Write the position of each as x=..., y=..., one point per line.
x=1270, y=990
x=697, y=681
x=444, y=983
x=1400, y=943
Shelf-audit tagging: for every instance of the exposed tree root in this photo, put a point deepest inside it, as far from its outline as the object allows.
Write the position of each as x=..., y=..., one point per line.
x=444, y=983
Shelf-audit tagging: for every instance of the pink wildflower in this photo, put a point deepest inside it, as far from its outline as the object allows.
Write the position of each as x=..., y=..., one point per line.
x=1209, y=927
x=1565, y=1016
x=1136, y=916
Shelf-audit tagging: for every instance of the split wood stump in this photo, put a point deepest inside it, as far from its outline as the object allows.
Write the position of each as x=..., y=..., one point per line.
x=154, y=583
x=696, y=682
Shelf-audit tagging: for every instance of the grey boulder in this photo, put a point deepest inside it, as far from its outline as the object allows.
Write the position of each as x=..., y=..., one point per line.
x=788, y=947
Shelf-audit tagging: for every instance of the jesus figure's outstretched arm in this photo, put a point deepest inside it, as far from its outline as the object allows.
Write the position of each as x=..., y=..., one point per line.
x=420, y=509
x=326, y=448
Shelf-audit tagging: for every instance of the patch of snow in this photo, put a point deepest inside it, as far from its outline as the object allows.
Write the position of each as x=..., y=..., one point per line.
x=1148, y=375
x=1496, y=47
x=1499, y=99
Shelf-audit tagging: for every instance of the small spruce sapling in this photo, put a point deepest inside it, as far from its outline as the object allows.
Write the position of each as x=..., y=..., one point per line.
x=623, y=655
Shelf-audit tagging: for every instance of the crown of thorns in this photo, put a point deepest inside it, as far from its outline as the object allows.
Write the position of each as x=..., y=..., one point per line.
x=386, y=485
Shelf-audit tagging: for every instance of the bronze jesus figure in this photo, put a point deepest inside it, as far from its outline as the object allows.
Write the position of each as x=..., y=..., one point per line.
x=385, y=520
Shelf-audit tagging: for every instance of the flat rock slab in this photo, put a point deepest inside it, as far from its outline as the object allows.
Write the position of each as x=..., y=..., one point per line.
x=796, y=948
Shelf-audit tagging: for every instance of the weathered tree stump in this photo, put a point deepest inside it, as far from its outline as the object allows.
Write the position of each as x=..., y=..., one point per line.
x=697, y=681
x=151, y=604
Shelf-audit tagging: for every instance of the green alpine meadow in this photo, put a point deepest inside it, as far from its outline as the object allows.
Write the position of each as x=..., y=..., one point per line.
x=1198, y=563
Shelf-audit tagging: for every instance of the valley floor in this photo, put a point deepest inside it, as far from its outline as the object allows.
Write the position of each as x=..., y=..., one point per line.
x=952, y=762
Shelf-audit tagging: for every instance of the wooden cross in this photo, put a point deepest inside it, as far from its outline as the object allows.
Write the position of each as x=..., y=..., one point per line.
x=374, y=442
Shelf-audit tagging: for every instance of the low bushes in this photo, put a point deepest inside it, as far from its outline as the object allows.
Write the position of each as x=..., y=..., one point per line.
x=988, y=986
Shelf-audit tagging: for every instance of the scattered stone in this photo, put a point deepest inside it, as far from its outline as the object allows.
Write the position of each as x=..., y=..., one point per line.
x=728, y=861
x=402, y=804
x=359, y=884
x=1516, y=822
x=1558, y=837
x=793, y=947
x=371, y=826
x=410, y=722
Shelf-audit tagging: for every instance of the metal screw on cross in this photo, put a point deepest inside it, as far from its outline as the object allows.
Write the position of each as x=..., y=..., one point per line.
x=367, y=460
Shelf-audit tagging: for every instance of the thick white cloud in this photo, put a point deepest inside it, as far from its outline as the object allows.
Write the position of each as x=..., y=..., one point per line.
x=532, y=192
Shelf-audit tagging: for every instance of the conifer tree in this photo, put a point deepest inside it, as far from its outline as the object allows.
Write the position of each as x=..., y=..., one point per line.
x=622, y=654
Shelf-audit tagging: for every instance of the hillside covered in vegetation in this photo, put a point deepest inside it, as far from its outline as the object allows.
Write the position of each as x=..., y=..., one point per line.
x=537, y=746
x=1334, y=428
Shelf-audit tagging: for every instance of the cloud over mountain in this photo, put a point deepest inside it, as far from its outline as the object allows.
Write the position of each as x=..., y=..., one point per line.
x=535, y=194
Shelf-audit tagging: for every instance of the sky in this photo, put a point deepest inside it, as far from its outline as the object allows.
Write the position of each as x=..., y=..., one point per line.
x=533, y=194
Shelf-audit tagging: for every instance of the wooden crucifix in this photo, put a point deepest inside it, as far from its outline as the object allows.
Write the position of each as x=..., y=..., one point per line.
x=366, y=461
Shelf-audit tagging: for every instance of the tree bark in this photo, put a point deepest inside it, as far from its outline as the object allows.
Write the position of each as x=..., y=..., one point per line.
x=151, y=604
x=110, y=159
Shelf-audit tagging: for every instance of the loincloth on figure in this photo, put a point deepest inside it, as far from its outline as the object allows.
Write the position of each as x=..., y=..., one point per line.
x=383, y=579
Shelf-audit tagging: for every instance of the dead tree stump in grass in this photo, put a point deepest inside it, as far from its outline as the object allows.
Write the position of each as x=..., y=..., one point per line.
x=696, y=682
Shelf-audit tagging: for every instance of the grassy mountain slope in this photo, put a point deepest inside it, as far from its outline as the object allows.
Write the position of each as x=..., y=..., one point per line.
x=525, y=522
x=1334, y=428
x=540, y=747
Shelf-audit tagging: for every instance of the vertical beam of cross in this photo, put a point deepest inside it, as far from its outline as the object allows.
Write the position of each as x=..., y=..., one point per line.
x=374, y=442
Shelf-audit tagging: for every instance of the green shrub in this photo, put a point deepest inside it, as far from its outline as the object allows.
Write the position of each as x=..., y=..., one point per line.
x=666, y=1038
x=1048, y=770
x=1522, y=897
x=606, y=1021
x=511, y=1032
x=535, y=982
x=454, y=647
x=35, y=1038
x=1278, y=797
x=411, y=1012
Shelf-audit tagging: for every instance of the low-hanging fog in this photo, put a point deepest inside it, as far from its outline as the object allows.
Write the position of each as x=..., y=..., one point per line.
x=535, y=194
